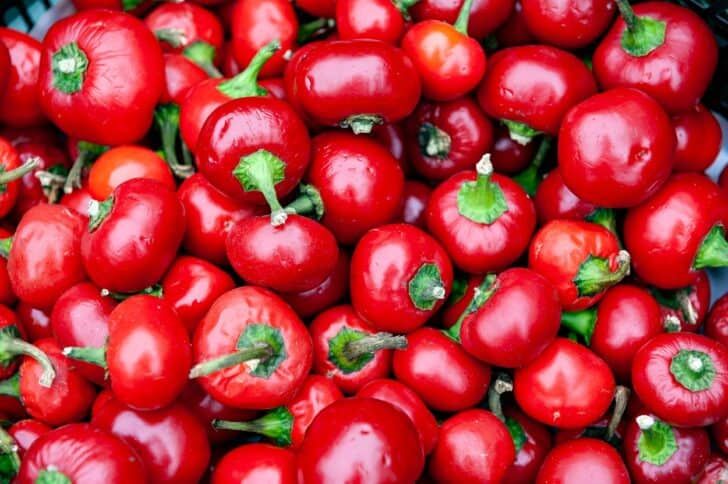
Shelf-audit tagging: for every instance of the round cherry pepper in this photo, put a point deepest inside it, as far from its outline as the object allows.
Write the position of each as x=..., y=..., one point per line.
x=11, y=171
x=171, y=441
x=19, y=102
x=359, y=181
x=699, y=139
x=257, y=22
x=568, y=24
x=332, y=290
x=372, y=19
x=82, y=454
x=553, y=388
x=447, y=137
x=583, y=460
x=147, y=355
x=581, y=259
x=485, y=15
x=348, y=350
x=381, y=85
x=716, y=327
x=508, y=156
x=484, y=220
x=657, y=452
x=45, y=258
x=191, y=286
x=256, y=463
x=689, y=305
x=678, y=231
x=446, y=377
x=531, y=88
x=251, y=350
x=511, y=320
x=626, y=318
x=663, y=49
x=414, y=202
x=25, y=432
x=287, y=426
x=449, y=62
x=532, y=443
x=101, y=74
x=133, y=236
x=358, y=440
x=682, y=378
x=80, y=317
x=473, y=446
x=399, y=277
x=616, y=148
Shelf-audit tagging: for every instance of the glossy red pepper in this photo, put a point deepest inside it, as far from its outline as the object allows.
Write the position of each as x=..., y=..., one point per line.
x=660, y=48
x=463, y=290
x=181, y=75
x=553, y=390
x=699, y=139
x=37, y=322
x=689, y=305
x=678, y=231
x=383, y=20
x=25, y=432
x=616, y=148
x=5, y=66
x=256, y=463
x=11, y=171
x=569, y=24
x=360, y=184
x=508, y=156
x=349, y=351
x=45, y=258
x=133, y=236
x=447, y=137
x=657, y=452
x=360, y=439
x=399, y=277
x=581, y=259
x=381, y=86
x=484, y=220
x=485, y=15
x=78, y=200
x=171, y=442
x=474, y=446
x=682, y=378
x=83, y=454
x=391, y=136
x=332, y=290
x=191, y=286
x=532, y=443
x=19, y=102
x=251, y=350
x=446, y=377
x=583, y=460
x=414, y=202
x=514, y=32
x=101, y=74
x=716, y=326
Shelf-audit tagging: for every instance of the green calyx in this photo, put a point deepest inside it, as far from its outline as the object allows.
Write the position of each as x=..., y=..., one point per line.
x=245, y=84
x=9, y=458
x=262, y=171
x=656, y=442
x=314, y=28
x=461, y=23
x=69, y=65
x=308, y=202
x=606, y=217
x=52, y=476
x=643, y=34
x=713, y=251
x=202, y=54
x=361, y=123
x=482, y=201
x=517, y=433
x=10, y=387
x=87, y=354
x=260, y=348
x=166, y=117
x=130, y=4
x=350, y=350
x=174, y=37
x=6, y=245
x=580, y=322
x=530, y=178
x=693, y=369
x=17, y=173
x=277, y=425
x=156, y=291
x=481, y=294
x=87, y=153
x=596, y=274
x=433, y=142
x=519, y=132
x=98, y=211
x=12, y=346
x=426, y=287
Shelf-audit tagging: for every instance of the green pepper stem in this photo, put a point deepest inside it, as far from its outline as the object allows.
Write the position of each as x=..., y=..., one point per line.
x=202, y=54
x=309, y=202
x=480, y=295
x=580, y=322
x=11, y=386
x=277, y=425
x=245, y=84
x=87, y=354
x=166, y=116
x=310, y=29
x=6, y=245
x=11, y=347
x=621, y=398
x=625, y=10
x=529, y=178
x=174, y=37
x=17, y=173
x=501, y=385
x=461, y=23
x=373, y=343
x=257, y=351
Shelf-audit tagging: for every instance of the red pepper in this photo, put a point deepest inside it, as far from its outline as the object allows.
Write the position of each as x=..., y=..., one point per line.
x=583, y=460
x=678, y=231
x=568, y=24
x=657, y=452
x=682, y=378
x=689, y=305
x=391, y=136
x=532, y=442
x=446, y=377
x=616, y=148
x=414, y=202
x=699, y=139
x=101, y=74
x=317, y=8
x=78, y=200
x=508, y=156
x=485, y=15
x=207, y=409
x=383, y=20
x=514, y=32
x=716, y=326
x=19, y=102
x=719, y=430
x=80, y=453
x=715, y=470
x=660, y=48
x=399, y=277
x=37, y=322
x=7, y=296
x=332, y=290
x=171, y=441
x=447, y=137
x=133, y=236
x=484, y=220
x=251, y=350
x=256, y=462
x=462, y=293
x=11, y=170
x=25, y=432
x=381, y=85
x=581, y=259
x=181, y=75
x=5, y=66
x=337, y=448
x=553, y=388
